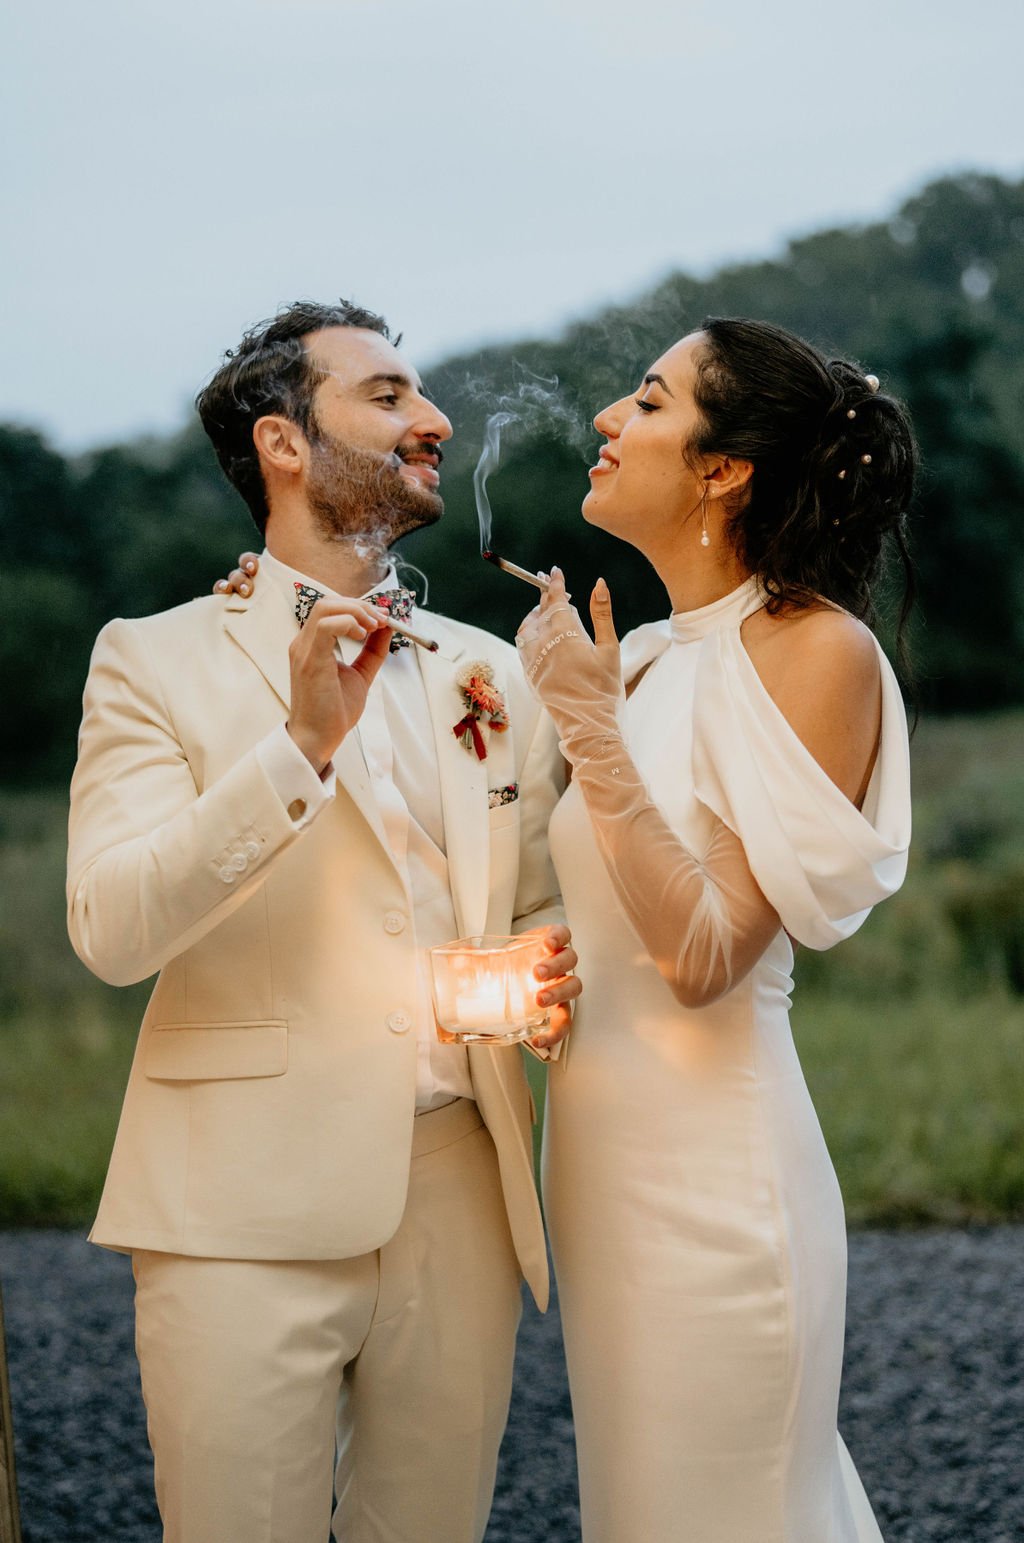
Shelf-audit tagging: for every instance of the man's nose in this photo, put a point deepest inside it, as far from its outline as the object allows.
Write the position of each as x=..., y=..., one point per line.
x=432, y=424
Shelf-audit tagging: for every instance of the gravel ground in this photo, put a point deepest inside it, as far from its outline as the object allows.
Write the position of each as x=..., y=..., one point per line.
x=932, y=1403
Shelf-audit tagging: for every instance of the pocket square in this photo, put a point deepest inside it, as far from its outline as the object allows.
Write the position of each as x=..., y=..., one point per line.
x=506, y=795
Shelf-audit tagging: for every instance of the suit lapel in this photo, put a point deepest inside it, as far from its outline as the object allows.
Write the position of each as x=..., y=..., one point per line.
x=463, y=780
x=264, y=628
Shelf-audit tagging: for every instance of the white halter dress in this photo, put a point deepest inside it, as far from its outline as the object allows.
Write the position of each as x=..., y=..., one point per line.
x=695, y=1218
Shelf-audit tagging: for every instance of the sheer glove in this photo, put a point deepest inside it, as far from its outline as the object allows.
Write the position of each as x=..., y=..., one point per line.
x=700, y=915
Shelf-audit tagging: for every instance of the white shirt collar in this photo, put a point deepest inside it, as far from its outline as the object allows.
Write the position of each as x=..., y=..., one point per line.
x=286, y=578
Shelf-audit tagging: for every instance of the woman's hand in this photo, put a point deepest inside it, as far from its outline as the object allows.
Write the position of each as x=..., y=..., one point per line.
x=558, y=987
x=241, y=580
x=579, y=682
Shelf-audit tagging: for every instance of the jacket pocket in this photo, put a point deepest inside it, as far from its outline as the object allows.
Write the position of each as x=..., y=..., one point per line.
x=501, y=815
x=211, y=1052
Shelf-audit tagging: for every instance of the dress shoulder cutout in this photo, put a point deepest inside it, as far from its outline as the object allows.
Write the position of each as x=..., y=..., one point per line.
x=820, y=861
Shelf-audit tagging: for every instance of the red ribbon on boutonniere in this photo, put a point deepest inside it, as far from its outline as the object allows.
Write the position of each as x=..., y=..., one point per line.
x=484, y=703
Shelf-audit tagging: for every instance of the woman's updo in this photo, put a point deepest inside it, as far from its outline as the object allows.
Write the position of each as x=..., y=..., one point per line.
x=834, y=462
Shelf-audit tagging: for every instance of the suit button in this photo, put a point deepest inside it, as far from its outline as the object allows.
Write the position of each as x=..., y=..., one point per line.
x=251, y=850
x=227, y=875
x=239, y=862
x=296, y=809
x=394, y=921
x=399, y=1023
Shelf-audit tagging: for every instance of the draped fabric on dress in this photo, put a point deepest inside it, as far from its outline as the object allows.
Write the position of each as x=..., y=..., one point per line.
x=696, y=1222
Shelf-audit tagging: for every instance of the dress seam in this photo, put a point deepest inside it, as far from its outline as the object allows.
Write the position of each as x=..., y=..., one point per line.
x=784, y=1265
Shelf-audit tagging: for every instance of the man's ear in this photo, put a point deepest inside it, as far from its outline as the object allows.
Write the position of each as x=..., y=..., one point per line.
x=727, y=475
x=280, y=444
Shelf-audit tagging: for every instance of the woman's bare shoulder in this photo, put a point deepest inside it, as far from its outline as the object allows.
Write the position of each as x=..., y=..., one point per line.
x=820, y=666
x=797, y=647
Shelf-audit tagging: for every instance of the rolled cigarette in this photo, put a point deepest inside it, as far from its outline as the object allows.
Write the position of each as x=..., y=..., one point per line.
x=407, y=632
x=516, y=572
x=396, y=626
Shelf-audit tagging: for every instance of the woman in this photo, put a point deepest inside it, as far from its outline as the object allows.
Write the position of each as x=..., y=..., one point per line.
x=751, y=793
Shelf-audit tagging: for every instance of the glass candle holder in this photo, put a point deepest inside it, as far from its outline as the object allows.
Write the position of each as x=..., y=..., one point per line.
x=485, y=991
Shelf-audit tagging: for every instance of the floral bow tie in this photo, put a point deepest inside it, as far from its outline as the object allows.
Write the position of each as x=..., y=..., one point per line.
x=396, y=602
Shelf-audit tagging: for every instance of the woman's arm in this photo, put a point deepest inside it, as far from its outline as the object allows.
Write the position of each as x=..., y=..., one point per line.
x=701, y=915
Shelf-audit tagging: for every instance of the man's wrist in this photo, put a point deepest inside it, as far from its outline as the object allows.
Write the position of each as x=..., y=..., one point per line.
x=293, y=776
x=320, y=763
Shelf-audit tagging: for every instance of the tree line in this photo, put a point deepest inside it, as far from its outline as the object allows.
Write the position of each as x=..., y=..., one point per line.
x=931, y=300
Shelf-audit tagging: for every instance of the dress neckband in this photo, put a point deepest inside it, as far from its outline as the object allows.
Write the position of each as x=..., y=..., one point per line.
x=730, y=610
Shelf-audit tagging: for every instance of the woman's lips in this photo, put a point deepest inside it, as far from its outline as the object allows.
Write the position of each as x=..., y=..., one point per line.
x=605, y=464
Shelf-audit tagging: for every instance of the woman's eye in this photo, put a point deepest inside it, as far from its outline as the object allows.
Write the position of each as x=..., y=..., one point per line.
x=646, y=407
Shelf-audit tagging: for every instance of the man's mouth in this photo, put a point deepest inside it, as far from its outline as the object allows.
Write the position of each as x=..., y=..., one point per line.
x=422, y=468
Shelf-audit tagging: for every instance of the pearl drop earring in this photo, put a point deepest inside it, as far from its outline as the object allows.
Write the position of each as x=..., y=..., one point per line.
x=705, y=539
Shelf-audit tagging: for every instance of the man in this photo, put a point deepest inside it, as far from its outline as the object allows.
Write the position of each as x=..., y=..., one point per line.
x=327, y=1210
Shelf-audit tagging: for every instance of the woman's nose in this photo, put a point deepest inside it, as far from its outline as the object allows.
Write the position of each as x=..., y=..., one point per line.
x=607, y=420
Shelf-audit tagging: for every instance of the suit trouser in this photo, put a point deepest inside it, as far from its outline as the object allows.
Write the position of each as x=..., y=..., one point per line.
x=254, y=1371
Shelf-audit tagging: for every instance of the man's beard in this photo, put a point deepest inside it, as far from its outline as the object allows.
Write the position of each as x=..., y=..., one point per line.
x=362, y=496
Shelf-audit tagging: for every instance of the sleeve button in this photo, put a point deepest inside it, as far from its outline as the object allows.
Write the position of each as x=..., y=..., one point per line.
x=226, y=875
x=239, y=862
x=251, y=850
x=296, y=809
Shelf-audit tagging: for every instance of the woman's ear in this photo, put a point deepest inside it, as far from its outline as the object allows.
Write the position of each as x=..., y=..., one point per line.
x=727, y=475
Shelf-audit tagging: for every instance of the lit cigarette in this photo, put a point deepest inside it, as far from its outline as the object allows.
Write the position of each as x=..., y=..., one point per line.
x=407, y=632
x=515, y=570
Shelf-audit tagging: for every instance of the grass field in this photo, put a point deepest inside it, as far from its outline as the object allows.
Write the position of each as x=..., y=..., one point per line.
x=921, y=1102
x=911, y=1034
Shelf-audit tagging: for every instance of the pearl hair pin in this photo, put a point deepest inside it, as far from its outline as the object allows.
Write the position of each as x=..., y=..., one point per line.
x=865, y=460
x=872, y=382
x=851, y=412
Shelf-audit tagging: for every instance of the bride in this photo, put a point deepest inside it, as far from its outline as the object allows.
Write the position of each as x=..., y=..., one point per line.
x=740, y=786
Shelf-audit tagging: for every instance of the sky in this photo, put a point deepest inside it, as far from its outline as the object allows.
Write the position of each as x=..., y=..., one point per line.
x=477, y=170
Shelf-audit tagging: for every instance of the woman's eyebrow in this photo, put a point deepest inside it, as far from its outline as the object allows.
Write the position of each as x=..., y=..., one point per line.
x=657, y=380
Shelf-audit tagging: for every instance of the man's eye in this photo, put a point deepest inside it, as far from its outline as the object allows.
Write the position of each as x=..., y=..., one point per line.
x=646, y=407
x=390, y=399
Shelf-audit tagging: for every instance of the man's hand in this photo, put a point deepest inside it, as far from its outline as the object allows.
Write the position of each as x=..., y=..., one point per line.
x=327, y=697
x=559, y=985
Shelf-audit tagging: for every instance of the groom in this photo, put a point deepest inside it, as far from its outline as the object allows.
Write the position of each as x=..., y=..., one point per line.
x=328, y=1211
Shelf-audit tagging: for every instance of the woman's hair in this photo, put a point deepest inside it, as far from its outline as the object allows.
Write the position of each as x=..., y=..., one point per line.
x=834, y=461
x=270, y=371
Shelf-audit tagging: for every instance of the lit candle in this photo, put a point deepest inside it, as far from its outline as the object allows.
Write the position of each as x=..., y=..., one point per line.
x=483, y=1005
x=485, y=990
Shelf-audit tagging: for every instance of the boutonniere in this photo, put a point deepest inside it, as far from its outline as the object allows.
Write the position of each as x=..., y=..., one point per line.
x=484, y=703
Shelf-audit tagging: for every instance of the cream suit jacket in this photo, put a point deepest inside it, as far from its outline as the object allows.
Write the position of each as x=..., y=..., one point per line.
x=269, y=1111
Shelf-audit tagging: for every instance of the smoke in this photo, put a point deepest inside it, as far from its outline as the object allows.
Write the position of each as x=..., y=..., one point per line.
x=411, y=576
x=369, y=546
x=536, y=406
x=489, y=457
x=540, y=405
